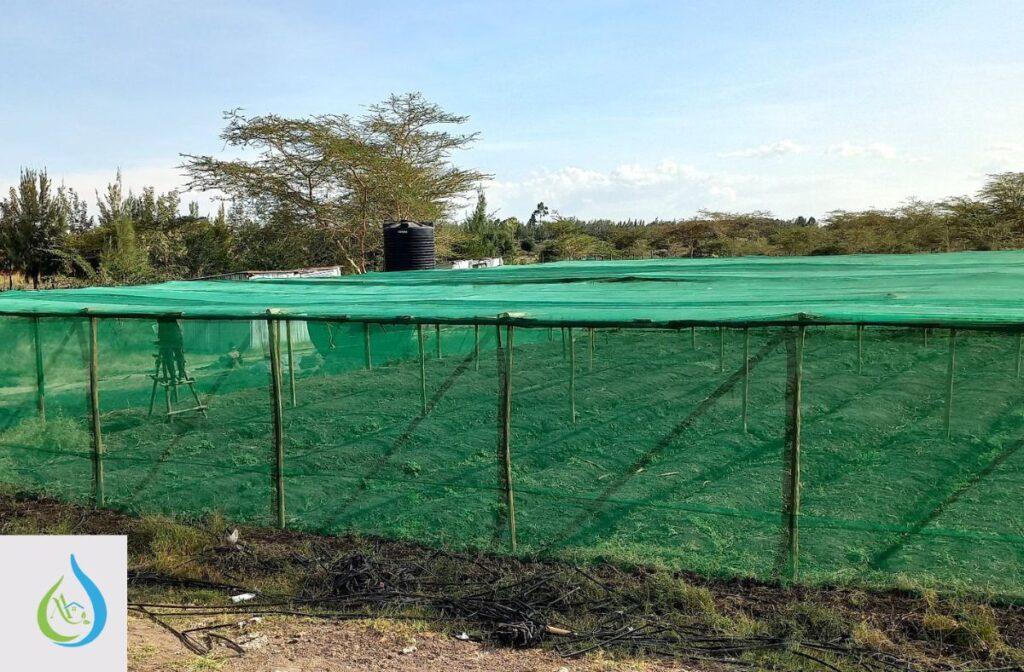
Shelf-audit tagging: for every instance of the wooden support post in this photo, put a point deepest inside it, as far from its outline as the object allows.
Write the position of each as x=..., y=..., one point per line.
x=277, y=411
x=924, y=336
x=94, y=412
x=794, y=461
x=437, y=329
x=1020, y=348
x=156, y=381
x=167, y=392
x=860, y=348
x=291, y=363
x=476, y=347
x=423, y=368
x=41, y=377
x=693, y=338
x=563, y=343
x=572, y=376
x=746, y=375
x=950, y=369
x=367, y=351
x=506, y=431
x=591, y=348
x=721, y=349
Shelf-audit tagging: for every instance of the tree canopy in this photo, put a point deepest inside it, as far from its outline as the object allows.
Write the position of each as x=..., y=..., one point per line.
x=342, y=174
x=34, y=224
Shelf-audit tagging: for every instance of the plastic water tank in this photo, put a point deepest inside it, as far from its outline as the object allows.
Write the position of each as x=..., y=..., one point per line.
x=408, y=246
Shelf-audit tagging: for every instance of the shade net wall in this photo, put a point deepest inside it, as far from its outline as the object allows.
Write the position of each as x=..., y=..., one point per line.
x=664, y=446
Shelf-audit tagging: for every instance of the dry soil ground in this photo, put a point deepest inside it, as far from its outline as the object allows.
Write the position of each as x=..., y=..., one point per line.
x=302, y=645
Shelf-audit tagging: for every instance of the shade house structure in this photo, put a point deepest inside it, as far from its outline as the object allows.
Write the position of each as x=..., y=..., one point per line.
x=844, y=419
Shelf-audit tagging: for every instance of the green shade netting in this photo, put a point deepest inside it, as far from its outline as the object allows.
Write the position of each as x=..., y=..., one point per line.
x=957, y=289
x=628, y=442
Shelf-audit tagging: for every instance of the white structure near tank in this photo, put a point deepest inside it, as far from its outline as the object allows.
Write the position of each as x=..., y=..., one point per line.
x=463, y=264
x=313, y=272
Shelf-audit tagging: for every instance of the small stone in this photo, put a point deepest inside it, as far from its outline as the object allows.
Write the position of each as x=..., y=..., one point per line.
x=255, y=643
x=409, y=649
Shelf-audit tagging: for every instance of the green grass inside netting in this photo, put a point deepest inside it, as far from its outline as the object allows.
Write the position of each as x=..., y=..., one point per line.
x=656, y=467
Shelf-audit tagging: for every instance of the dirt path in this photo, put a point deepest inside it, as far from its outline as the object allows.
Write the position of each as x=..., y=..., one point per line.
x=304, y=645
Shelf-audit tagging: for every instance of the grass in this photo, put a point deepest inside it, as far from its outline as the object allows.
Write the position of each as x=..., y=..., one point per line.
x=799, y=620
x=200, y=664
x=655, y=471
x=170, y=544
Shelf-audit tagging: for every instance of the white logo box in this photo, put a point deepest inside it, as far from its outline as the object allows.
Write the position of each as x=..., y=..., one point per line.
x=64, y=603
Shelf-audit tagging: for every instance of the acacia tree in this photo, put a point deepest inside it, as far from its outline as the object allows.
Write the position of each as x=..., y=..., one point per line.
x=342, y=174
x=1003, y=194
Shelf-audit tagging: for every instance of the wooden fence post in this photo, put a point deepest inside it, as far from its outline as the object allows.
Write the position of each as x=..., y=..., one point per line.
x=721, y=349
x=277, y=411
x=591, y=348
x=367, y=351
x=794, y=460
x=950, y=375
x=291, y=363
x=572, y=376
x=860, y=348
x=423, y=368
x=41, y=377
x=506, y=431
x=476, y=347
x=94, y=408
x=1020, y=347
x=746, y=374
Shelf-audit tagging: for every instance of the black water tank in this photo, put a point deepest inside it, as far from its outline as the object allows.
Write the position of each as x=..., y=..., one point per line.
x=408, y=246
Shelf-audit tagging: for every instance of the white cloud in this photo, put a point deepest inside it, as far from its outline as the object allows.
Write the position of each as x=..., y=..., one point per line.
x=1006, y=155
x=667, y=187
x=849, y=150
x=780, y=148
x=845, y=150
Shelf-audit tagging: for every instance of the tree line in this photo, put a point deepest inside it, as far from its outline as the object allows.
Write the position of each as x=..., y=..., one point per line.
x=314, y=191
x=993, y=219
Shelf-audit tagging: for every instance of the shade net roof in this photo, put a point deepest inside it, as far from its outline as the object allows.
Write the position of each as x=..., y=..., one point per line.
x=968, y=289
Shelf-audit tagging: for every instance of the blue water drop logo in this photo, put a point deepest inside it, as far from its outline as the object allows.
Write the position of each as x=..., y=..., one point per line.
x=76, y=621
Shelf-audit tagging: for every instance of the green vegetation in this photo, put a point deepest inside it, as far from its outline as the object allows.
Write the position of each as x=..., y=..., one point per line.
x=315, y=194
x=337, y=177
x=312, y=191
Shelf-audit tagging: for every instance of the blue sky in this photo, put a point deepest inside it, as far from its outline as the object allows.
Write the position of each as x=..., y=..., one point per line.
x=618, y=109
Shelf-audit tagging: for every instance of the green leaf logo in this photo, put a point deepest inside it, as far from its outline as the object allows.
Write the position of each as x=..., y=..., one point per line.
x=82, y=621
